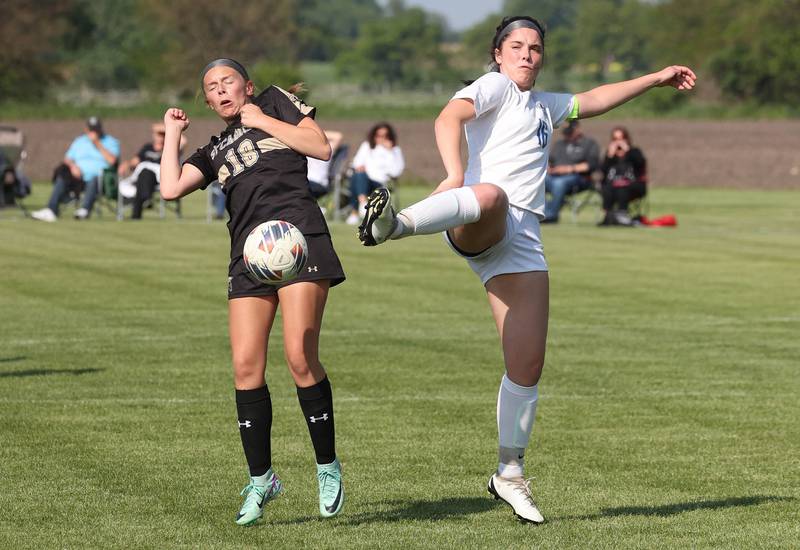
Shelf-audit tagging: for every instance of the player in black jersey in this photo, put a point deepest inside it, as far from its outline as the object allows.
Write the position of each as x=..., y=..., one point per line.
x=260, y=162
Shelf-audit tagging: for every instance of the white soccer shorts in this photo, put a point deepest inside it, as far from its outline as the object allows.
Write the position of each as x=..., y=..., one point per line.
x=520, y=250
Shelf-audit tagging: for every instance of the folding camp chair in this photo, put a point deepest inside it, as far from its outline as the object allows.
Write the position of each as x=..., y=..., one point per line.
x=14, y=185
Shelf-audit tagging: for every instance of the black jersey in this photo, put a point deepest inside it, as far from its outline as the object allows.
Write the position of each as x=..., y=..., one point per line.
x=263, y=179
x=148, y=153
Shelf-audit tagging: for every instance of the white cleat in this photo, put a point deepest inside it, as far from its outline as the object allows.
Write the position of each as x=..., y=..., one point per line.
x=81, y=214
x=516, y=493
x=44, y=215
x=379, y=220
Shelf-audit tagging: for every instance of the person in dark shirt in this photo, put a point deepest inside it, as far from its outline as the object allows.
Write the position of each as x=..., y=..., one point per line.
x=624, y=177
x=259, y=160
x=9, y=181
x=144, y=168
x=572, y=161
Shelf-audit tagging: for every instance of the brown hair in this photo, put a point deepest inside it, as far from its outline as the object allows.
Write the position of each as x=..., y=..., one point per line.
x=624, y=131
x=380, y=126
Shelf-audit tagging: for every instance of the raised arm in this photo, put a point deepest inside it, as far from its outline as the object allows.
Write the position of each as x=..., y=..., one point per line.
x=448, y=139
x=176, y=181
x=604, y=98
x=109, y=156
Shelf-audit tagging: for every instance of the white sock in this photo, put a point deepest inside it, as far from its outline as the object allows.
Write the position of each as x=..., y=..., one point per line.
x=516, y=411
x=438, y=213
x=262, y=480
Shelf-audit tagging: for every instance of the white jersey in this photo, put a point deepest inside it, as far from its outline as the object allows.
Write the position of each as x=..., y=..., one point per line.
x=509, y=138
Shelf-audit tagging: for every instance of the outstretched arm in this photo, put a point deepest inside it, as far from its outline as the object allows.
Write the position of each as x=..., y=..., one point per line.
x=448, y=139
x=176, y=181
x=604, y=98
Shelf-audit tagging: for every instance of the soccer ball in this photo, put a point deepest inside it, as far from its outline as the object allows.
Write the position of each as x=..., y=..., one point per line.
x=275, y=252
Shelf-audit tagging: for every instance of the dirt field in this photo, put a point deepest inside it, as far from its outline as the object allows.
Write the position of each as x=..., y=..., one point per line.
x=760, y=154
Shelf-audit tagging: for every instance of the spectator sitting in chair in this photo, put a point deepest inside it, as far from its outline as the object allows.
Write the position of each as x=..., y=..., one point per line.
x=319, y=170
x=377, y=161
x=9, y=181
x=15, y=184
x=624, y=177
x=572, y=161
x=144, y=169
x=86, y=159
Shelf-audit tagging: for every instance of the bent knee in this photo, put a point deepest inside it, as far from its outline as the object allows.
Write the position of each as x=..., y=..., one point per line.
x=491, y=198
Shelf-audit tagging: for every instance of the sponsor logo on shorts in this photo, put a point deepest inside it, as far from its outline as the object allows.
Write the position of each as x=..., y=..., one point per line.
x=230, y=285
x=313, y=268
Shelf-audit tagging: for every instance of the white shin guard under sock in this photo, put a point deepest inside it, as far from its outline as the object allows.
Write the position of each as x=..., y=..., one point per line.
x=516, y=411
x=438, y=213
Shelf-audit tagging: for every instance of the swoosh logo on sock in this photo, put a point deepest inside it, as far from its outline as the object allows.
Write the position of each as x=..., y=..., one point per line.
x=332, y=508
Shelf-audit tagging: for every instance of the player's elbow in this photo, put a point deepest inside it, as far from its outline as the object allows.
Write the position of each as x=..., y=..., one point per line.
x=441, y=121
x=447, y=124
x=168, y=194
x=323, y=152
x=326, y=152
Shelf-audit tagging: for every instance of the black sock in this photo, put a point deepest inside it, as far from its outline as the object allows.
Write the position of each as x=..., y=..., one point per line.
x=317, y=404
x=255, y=423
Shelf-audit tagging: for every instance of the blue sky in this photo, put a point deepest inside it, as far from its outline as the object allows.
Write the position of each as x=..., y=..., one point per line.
x=460, y=14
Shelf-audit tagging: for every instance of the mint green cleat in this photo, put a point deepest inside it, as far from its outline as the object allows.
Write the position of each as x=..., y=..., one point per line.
x=331, y=491
x=256, y=496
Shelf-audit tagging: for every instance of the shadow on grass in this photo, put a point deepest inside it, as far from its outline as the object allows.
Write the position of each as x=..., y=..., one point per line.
x=680, y=507
x=12, y=359
x=399, y=510
x=46, y=372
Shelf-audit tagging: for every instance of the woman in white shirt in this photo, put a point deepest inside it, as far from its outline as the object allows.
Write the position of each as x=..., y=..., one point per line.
x=490, y=214
x=378, y=160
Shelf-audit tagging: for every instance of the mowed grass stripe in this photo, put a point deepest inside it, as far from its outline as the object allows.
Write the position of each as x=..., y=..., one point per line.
x=668, y=413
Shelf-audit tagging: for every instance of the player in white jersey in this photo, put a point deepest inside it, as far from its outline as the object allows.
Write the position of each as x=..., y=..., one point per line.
x=490, y=215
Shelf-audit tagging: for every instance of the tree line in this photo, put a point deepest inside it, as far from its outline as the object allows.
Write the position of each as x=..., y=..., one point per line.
x=745, y=51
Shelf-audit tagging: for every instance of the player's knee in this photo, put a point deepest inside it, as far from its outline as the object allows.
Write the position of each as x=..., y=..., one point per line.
x=299, y=361
x=526, y=373
x=492, y=198
x=246, y=369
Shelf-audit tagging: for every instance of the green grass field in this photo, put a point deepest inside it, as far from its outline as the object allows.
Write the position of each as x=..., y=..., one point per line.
x=668, y=414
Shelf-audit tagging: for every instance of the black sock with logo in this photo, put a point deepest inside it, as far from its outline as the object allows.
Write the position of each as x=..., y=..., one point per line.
x=317, y=404
x=255, y=423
